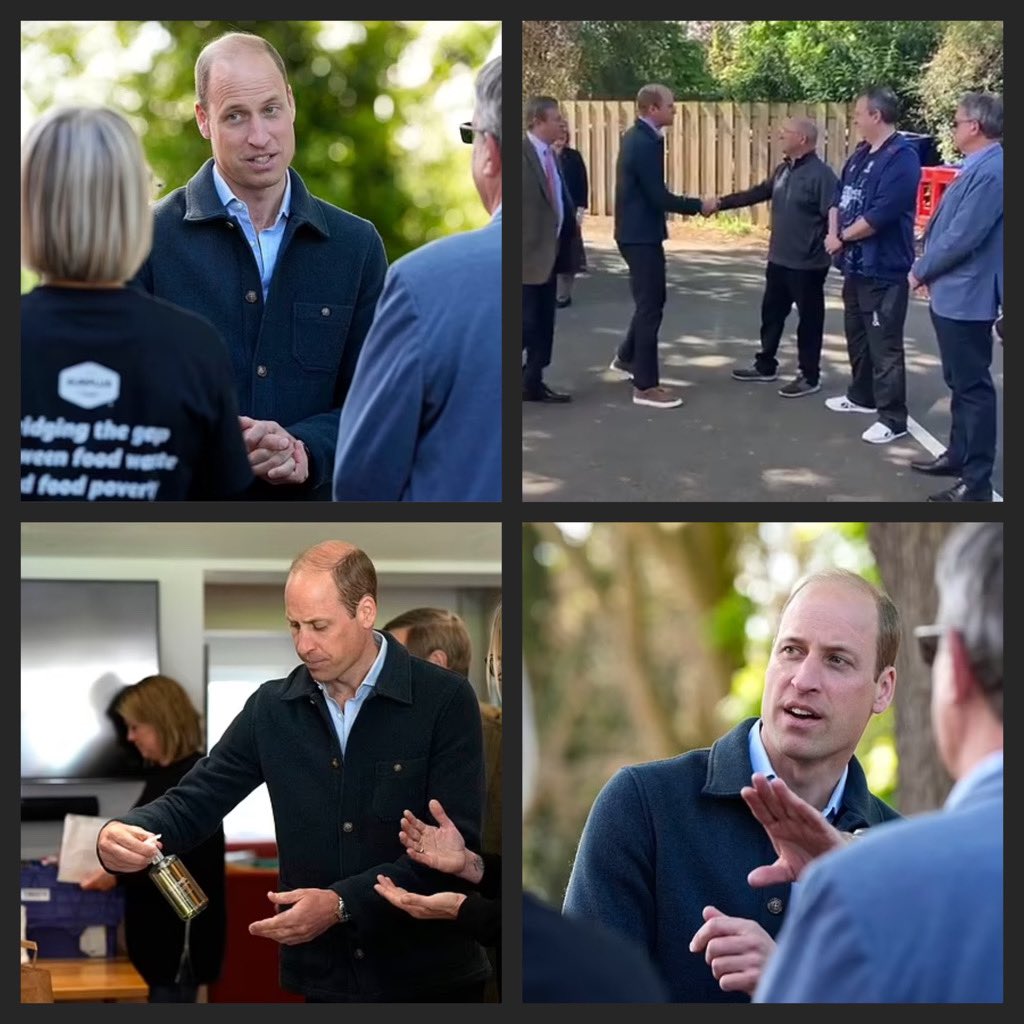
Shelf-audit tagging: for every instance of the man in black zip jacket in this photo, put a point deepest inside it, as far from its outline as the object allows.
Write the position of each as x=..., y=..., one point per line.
x=641, y=202
x=801, y=190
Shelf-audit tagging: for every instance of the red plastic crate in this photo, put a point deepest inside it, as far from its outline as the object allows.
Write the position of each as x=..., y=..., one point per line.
x=934, y=181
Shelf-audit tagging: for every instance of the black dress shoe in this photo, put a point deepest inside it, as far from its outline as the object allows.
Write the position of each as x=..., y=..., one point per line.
x=545, y=394
x=959, y=492
x=562, y=303
x=937, y=467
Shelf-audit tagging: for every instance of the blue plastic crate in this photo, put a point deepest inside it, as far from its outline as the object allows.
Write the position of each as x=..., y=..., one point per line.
x=58, y=912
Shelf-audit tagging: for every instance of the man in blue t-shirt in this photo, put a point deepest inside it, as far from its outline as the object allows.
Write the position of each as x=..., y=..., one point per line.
x=871, y=236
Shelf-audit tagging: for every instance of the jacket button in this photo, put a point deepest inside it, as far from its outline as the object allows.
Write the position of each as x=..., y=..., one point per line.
x=347, y=826
x=261, y=371
x=250, y=296
x=325, y=311
x=335, y=763
x=358, y=954
x=230, y=224
x=774, y=905
x=397, y=767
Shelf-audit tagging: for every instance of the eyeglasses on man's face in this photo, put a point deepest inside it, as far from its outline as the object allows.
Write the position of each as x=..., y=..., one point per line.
x=963, y=120
x=928, y=638
x=467, y=131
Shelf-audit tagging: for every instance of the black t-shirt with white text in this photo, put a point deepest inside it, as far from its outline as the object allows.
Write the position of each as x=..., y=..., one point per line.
x=125, y=397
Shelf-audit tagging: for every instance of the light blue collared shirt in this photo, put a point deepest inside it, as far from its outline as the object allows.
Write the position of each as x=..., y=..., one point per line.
x=545, y=153
x=760, y=762
x=345, y=717
x=986, y=767
x=267, y=243
x=660, y=132
x=970, y=161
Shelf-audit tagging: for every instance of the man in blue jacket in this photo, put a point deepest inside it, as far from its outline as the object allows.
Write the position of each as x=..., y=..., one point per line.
x=423, y=420
x=668, y=846
x=913, y=912
x=871, y=234
x=962, y=271
x=356, y=734
x=641, y=202
x=288, y=280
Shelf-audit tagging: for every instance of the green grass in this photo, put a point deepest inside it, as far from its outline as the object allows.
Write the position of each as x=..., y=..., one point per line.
x=731, y=224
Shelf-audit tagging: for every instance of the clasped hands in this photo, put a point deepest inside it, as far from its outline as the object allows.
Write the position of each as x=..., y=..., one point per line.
x=736, y=948
x=274, y=454
x=709, y=205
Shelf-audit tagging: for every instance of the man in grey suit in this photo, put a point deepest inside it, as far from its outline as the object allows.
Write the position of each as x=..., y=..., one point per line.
x=913, y=911
x=962, y=269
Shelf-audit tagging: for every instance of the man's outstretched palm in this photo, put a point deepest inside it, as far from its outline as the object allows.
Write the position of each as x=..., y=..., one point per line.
x=440, y=847
x=797, y=830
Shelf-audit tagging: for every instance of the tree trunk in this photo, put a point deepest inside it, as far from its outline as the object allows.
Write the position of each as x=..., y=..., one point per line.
x=905, y=554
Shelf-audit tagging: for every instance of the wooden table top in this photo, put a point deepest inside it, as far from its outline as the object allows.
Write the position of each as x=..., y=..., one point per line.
x=94, y=978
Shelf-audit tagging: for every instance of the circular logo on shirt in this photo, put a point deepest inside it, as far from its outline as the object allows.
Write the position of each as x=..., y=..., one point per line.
x=88, y=385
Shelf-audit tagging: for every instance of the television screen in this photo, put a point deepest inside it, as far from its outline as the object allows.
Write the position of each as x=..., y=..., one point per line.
x=82, y=642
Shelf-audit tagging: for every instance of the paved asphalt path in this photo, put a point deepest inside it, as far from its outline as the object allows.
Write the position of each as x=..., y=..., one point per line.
x=730, y=441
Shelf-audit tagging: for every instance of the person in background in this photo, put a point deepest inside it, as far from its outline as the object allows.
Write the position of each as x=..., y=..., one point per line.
x=123, y=396
x=165, y=728
x=443, y=848
x=871, y=234
x=423, y=418
x=289, y=280
x=441, y=636
x=801, y=190
x=961, y=270
x=574, y=258
x=913, y=911
x=548, y=219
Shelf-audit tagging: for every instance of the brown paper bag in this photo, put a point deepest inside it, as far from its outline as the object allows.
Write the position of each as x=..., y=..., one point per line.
x=35, y=980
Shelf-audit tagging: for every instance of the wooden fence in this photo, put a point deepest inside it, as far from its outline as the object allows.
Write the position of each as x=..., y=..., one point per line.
x=711, y=148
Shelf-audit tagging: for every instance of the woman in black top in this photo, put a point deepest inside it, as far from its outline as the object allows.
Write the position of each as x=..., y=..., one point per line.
x=574, y=174
x=123, y=396
x=165, y=728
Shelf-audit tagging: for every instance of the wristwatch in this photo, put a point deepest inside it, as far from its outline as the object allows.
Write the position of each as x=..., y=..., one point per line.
x=343, y=914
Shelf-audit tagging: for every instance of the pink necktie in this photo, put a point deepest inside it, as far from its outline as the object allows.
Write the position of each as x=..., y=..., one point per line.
x=549, y=167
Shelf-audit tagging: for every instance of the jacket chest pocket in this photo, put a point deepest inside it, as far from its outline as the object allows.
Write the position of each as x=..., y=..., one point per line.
x=319, y=330
x=399, y=784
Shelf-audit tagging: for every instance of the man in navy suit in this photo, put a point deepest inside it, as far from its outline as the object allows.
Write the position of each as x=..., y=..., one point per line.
x=962, y=269
x=913, y=911
x=423, y=418
x=549, y=220
x=641, y=202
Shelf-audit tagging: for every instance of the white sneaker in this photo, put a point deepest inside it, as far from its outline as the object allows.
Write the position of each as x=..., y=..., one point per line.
x=879, y=433
x=842, y=404
x=620, y=369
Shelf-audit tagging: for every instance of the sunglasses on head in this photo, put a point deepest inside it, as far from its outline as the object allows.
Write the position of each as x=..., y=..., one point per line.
x=928, y=641
x=467, y=131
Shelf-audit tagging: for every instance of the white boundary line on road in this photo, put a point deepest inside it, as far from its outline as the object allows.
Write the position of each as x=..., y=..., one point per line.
x=933, y=446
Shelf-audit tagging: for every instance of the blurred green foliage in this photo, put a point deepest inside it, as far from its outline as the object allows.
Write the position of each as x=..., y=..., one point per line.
x=364, y=141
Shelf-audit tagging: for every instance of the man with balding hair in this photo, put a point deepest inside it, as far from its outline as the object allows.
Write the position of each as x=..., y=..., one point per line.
x=641, y=203
x=668, y=847
x=354, y=736
x=800, y=191
x=290, y=281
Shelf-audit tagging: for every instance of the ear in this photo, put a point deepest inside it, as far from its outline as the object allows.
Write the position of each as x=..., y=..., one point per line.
x=964, y=684
x=885, y=690
x=438, y=657
x=202, y=120
x=366, y=612
x=492, y=157
x=291, y=101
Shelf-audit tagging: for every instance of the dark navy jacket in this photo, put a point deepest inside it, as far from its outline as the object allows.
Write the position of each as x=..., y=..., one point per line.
x=881, y=187
x=666, y=839
x=641, y=198
x=294, y=356
x=417, y=737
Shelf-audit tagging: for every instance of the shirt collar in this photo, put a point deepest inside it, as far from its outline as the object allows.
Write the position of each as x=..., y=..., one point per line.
x=370, y=679
x=542, y=147
x=227, y=197
x=760, y=762
x=660, y=132
x=976, y=156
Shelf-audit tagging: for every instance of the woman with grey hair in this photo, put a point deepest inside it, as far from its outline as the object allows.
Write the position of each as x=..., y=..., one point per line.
x=123, y=396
